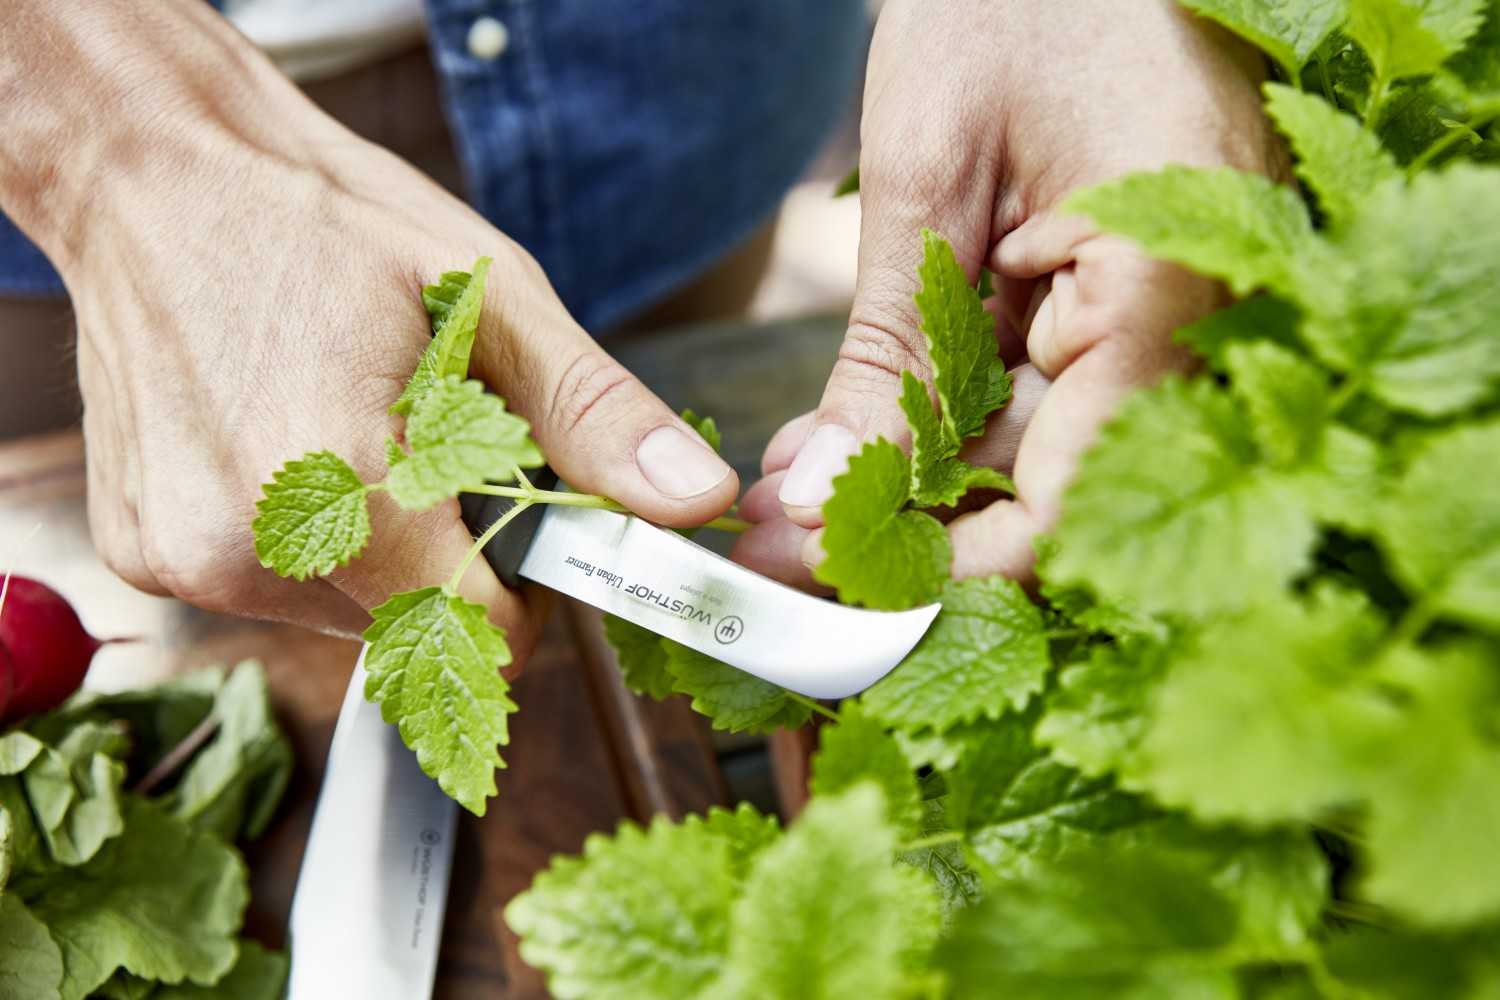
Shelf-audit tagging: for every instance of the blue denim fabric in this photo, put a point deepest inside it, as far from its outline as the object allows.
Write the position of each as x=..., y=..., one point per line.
x=627, y=145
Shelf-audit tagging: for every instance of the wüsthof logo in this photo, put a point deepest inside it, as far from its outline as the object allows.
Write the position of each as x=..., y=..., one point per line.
x=730, y=628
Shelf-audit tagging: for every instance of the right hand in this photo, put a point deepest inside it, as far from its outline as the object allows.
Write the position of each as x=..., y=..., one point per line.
x=248, y=289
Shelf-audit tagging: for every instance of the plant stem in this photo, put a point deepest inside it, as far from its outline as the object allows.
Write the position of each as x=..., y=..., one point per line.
x=1344, y=394
x=178, y=755
x=591, y=501
x=816, y=706
x=1415, y=621
x=932, y=840
x=483, y=540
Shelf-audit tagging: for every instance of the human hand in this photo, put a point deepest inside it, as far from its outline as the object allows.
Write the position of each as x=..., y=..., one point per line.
x=979, y=120
x=251, y=291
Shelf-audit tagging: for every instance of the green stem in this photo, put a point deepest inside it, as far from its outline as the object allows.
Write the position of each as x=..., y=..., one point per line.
x=1448, y=140
x=816, y=706
x=1416, y=620
x=1066, y=633
x=483, y=540
x=931, y=840
x=591, y=501
x=1378, y=95
x=1345, y=394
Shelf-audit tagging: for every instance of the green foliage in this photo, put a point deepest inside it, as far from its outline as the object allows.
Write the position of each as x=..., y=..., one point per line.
x=1337, y=158
x=985, y=655
x=731, y=698
x=879, y=553
x=313, y=518
x=1289, y=30
x=454, y=304
x=433, y=666
x=859, y=749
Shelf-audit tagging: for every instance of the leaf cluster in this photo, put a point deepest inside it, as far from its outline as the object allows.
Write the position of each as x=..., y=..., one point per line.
x=110, y=892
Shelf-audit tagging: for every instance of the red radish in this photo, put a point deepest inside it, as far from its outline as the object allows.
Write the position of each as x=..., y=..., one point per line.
x=47, y=651
x=7, y=680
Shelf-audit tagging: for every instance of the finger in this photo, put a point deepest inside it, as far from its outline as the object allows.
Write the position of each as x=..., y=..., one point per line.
x=600, y=428
x=409, y=550
x=918, y=168
x=1110, y=319
x=774, y=549
x=760, y=502
x=785, y=443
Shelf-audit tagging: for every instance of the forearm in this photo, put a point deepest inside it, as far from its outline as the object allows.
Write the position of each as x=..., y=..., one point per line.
x=110, y=102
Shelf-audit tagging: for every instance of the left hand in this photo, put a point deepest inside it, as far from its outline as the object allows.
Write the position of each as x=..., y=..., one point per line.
x=979, y=120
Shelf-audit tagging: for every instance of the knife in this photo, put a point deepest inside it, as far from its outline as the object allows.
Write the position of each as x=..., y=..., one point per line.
x=367, y=913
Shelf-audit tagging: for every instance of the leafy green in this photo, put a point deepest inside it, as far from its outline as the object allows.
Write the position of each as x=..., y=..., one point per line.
x=1411, y=37
x=878, y=553
x=454, y=304
x=1441, y=524
x=970, y=378
x=1241, y=228
x=859, y=749
x=72, y=789
x=233, y=785
x=161, y=901
x=643, y=914
x=1178, y=471
x=31, y=965
x=938, y=477
x=984, y=655
x=1290, y=31
x=459, y=436
x=1096, y=714
x=731, y=698
x=434, y=669
x=824, y=914
x=642, y=660
x=1337, y=158
x=313, y=518
x=1262, y=719
x=258, y=974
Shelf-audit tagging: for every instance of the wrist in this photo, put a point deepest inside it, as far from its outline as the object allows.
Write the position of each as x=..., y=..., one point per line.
x=111, y=108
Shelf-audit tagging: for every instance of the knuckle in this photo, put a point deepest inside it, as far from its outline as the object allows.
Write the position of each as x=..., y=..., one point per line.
x=879, y=352
x=588, y=384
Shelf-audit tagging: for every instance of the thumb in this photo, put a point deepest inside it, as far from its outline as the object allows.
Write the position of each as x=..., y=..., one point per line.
x=860, y=401
x=600, y=428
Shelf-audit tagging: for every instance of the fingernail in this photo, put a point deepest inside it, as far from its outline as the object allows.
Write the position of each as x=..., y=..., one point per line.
x=812, y=549
x=679, y=466
x=809, y=481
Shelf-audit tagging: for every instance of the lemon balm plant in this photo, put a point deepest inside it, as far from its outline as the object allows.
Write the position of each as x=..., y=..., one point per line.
x=1247, y=743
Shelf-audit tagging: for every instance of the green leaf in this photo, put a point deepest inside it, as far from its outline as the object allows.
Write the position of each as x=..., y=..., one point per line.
x=970, y=378
x=124, y=986
x=938, y=477
x=31, y=965
x=826, y=914
x=879, y=553
x=1337, y=157
x=1434, y=789
x=707, y=429
x=1242, y=228
x=1177, y=471
x=731, y=698
x=859, y=749
x=644, y=914
x=313, y=517
x=1260, y=720
x=958, y=884
x=746, y=831
x=1286, y=397
x=1021, y=809
x=1290, y=31
x=161, y=901
x=257, y=975
x=73, y=789
x=642, y=660
x=1440, y=526
x=1408, y=965
x=454, y=304
x=986, y=654
x=1411, y=37
x=1253, y=320
x=1096, y=715
x=233, y=785
x=1478, y=65
x=1100, y=924
x=460, y=436
x=20, y=841
x=434, y=669
x=1412, y=315
x=848, y=185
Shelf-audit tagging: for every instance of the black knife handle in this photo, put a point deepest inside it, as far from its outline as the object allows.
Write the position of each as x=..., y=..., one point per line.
x=506, y=550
